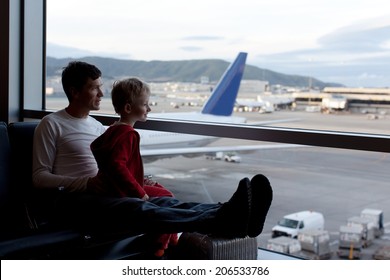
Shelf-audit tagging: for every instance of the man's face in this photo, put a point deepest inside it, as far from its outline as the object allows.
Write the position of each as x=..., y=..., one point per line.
x=90, y=95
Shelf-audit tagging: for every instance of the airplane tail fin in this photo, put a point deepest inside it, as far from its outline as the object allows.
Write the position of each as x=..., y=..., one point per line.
x=223, y=97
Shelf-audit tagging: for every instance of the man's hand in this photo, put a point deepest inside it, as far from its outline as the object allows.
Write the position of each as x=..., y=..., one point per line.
x=94, y=186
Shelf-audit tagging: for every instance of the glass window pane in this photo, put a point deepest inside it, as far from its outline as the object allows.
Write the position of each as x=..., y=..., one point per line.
x=340, y=184
x=354, y=95
x=337, y=67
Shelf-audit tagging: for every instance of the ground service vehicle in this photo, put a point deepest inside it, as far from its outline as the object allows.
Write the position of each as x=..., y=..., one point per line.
x=294, y=223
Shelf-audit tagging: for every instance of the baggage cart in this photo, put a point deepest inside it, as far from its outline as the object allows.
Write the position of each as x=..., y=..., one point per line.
x=367, y=227
x=315, y=244
x=284, y=244
x=350, y=242
x=377, y=218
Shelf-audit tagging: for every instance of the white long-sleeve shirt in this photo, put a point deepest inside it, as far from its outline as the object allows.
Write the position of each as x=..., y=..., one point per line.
x=61, y=151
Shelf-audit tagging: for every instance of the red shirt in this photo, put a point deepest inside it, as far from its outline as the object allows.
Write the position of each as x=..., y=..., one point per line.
x=119, y=160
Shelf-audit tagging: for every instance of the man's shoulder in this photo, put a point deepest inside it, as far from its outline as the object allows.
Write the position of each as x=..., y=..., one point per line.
x=94, y=122
x=92, y=119
x=53, y=116
x=50, y=119
x=60, y=121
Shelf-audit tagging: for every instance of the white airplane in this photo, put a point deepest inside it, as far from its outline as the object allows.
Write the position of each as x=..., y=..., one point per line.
x=259, y=106
x=218, y=109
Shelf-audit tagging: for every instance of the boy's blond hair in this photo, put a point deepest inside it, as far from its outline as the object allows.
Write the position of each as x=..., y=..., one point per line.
x=127, y=91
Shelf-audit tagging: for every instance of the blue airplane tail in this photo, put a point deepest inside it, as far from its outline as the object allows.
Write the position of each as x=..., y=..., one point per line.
x=223, y=97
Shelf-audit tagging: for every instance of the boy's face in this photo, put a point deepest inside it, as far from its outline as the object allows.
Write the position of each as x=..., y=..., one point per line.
x=140, y=108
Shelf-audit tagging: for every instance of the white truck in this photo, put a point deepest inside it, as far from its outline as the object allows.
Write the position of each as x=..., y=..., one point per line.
x=334, y=103
x=295, y=223
x=229, y=156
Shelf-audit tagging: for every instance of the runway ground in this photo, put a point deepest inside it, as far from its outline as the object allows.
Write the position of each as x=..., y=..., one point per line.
x=337, y=183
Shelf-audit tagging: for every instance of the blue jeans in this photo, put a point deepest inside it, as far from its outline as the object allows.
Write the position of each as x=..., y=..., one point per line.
x=133, y=215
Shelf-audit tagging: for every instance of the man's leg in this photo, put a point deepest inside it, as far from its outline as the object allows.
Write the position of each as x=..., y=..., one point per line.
x=160, y=215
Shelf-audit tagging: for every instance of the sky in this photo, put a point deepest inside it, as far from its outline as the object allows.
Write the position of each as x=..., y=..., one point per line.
x=343, y=41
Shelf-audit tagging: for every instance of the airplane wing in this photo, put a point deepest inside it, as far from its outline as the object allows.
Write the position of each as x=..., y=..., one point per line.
x=273, y=121
x=150, y=155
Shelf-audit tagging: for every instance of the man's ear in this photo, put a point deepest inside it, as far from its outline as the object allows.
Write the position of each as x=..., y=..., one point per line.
x=73, y=92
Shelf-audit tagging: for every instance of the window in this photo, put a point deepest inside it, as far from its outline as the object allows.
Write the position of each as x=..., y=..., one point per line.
x=289, y=223
x=342, y=170
x=326, y=59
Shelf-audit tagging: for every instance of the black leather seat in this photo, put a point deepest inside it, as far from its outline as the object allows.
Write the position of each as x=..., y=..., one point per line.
x=26, y=230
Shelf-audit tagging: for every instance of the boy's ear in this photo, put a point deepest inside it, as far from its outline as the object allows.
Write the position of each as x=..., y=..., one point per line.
x=127, y=108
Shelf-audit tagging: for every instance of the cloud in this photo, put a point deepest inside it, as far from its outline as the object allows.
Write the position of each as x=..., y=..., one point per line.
x=59, y=51
x=358, y=54
x=202, y=38
x=191, y=48
x=366, y=40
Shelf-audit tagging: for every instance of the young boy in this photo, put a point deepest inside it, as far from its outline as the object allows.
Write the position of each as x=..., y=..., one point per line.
x=117, y=151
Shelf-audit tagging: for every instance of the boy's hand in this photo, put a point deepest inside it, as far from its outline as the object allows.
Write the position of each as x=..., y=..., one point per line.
x=149, y=182
x=146, y=197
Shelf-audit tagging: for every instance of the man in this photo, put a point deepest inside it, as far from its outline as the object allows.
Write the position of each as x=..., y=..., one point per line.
x=62, y=160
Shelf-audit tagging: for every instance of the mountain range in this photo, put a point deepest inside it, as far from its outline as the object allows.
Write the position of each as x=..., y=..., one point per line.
x=182, y=71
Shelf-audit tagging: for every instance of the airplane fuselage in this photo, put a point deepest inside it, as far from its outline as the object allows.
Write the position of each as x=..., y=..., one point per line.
x=164, y=140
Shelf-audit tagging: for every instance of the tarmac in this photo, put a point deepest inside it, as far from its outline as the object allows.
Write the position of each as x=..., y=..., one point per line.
x=338, y=183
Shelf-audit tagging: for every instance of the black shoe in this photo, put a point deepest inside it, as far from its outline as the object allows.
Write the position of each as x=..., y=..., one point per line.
x=233, y=216
x=261, y=201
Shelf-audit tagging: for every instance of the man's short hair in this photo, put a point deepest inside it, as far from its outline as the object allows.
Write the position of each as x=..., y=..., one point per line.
x=76, y=74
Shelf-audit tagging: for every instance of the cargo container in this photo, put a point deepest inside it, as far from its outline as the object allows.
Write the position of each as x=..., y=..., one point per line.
x=366, y=226
x=377, y=217
x=350, y=242
x=315, y=244
x=283, y=244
